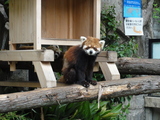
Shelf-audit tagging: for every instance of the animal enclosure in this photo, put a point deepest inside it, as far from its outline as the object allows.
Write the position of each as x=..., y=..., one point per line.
x=53, y=22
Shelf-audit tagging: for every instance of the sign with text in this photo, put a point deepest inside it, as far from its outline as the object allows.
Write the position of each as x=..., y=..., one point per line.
x=133, y=26
x=132, y=8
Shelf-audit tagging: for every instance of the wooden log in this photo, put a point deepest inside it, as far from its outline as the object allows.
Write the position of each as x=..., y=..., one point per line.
x=138, y=66
x=73, y=93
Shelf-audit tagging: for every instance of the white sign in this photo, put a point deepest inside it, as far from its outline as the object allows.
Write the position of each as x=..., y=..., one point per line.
x=133, y=26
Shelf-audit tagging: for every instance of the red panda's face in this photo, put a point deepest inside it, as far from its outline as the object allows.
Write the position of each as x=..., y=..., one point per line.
x=92, y=46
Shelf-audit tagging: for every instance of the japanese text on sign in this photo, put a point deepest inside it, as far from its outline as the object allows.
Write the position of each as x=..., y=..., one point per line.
x=133, y=26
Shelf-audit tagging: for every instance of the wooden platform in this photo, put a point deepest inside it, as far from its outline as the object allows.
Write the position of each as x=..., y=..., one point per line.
x=53, y=22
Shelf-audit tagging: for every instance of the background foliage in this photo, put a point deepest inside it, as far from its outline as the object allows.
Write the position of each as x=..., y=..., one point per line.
x=114, y=42
x=156, y=11
x=86, y=110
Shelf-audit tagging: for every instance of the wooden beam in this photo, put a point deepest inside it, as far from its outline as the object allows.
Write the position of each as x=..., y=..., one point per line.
x=107, y=64
x=63, y=42
x=25, y=84
x=20, y=84
x=45, y=74
x=153, y=102
x=109, y=71
x=27, y=55
x=74, y=93
x=107, y=56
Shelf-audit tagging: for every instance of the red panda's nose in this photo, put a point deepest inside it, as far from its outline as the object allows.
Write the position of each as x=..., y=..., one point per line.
x=90, y=52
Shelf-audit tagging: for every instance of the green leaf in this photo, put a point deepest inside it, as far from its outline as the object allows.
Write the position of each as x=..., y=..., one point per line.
x=117, y=108
x=109, y=115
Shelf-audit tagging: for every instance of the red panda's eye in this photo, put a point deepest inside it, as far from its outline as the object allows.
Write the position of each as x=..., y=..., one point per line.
x=87, y=48
x=95, y=49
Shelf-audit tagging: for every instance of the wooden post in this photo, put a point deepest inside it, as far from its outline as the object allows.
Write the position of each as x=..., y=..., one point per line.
x=12, y=64
x=37, y=23
x=96, y=20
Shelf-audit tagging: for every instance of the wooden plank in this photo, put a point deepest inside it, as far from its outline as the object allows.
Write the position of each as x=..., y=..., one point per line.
x=153, y=102
x=112, y=56
x=70, y=19
x=109, y=71
x=82, y=18
x=65, y=42
x=55, y=18
x=19, y=84
x=107, y=56
x=27, y=55
x=25, y=84
x=105, y=59
x=103, y=54
x=21, y=18
x=45, y=74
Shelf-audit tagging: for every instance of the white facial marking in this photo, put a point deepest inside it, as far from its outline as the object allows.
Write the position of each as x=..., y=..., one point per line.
x=99, y=49
x=102, y=42
x=83, y=38
x=84, y=47
x=92, y=51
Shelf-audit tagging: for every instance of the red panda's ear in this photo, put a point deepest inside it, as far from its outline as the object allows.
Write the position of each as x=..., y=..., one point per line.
x=102, y=42
x=83, y=39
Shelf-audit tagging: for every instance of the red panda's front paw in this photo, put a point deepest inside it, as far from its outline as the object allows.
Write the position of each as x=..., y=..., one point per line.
x=84, y=83
x=93, y=82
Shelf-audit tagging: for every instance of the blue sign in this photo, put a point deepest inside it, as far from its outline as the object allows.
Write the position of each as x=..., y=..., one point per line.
x=132, y=8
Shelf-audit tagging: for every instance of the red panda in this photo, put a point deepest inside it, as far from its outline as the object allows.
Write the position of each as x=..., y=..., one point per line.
x=79, y=61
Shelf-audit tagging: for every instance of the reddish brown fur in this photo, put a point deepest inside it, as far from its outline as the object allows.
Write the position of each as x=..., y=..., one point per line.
x=69, y=55
x=78, y=65
x=94, y=42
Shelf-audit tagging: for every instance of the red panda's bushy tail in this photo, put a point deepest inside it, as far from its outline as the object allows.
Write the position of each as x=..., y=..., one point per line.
x=69, y=76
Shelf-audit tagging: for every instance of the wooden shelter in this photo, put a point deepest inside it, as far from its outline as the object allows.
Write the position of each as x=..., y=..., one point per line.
x=53, y=22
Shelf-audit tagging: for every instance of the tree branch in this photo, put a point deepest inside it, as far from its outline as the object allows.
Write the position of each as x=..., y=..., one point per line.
x=74, y=93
